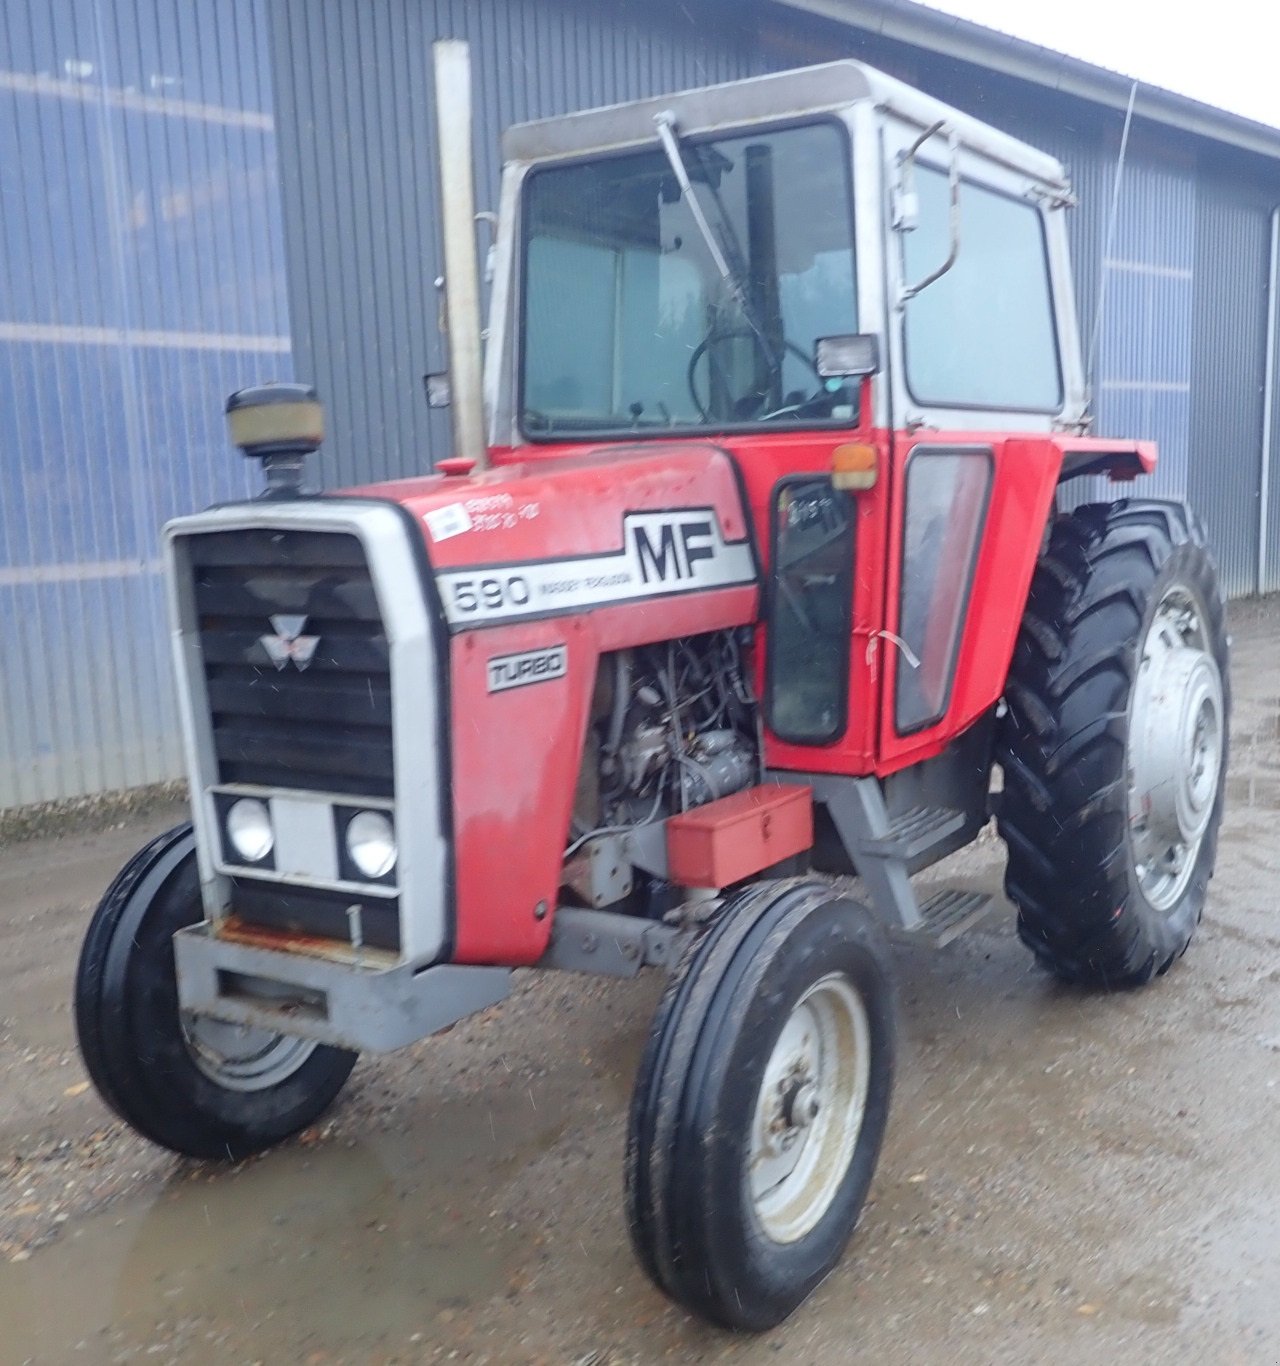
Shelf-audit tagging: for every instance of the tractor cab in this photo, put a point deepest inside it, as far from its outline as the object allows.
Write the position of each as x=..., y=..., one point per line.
x=674, y=266
x=850, y=288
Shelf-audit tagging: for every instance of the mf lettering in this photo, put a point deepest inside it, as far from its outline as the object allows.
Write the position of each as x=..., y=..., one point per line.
x=671, y=551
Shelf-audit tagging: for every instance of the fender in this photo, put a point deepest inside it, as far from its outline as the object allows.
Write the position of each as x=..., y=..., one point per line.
x=1122, y=460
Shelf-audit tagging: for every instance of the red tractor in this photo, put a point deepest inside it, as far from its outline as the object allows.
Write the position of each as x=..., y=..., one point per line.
x=753, y=577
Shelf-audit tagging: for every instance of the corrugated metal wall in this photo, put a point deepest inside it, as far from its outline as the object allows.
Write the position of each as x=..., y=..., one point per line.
x=1182, y=342
x=1270, y=515
x=145, y=223
x=141, y=279
x=357, y=155
x=1144, y=359
x=1183, y=339
x=1228, y=370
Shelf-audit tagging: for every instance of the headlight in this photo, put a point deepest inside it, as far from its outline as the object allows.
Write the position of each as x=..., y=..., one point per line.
x=371, y=843
x=249, y=829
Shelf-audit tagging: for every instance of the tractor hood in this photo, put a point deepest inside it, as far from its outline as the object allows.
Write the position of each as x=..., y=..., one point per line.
x=547, y=538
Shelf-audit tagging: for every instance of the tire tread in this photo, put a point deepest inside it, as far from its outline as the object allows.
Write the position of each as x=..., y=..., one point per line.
x=1064, y=812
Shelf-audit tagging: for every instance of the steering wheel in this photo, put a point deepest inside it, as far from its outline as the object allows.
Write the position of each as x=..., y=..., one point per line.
x=714, y=338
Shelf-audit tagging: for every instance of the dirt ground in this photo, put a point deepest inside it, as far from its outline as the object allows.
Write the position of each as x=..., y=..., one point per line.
x=1067, y=1177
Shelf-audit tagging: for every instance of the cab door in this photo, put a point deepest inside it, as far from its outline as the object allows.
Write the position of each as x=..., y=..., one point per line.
x=977, y=337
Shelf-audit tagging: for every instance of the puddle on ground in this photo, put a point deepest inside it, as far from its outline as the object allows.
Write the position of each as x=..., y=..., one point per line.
x=340, y=1248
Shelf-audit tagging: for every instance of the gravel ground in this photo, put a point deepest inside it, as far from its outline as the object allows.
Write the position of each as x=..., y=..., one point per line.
x=1067, y=1176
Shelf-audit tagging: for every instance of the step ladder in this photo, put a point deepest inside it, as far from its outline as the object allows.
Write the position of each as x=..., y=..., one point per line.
x=882, y=848
x=946, y=914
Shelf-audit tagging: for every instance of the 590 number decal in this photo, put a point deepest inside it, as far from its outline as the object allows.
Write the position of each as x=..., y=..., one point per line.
x=491, y=594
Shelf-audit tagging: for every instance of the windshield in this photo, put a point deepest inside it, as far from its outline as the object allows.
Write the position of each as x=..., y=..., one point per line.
x=630, y=321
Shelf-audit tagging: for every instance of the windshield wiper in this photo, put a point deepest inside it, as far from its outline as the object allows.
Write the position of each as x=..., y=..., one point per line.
x=670, y=140
x=671, y=146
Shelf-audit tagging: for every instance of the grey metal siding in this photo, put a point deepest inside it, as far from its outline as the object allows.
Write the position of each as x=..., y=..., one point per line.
x=1229, y=358
x=1183, y=343
x=1143, y=386
x=358, y=173
x=1270, y=516
x=141, y=279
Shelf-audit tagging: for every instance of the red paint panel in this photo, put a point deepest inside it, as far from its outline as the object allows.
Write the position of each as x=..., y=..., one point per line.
x=738, y=836
x=544, y=509
x=688, y=614
x=515, y=766
x=765, y=460
x=1130, y=457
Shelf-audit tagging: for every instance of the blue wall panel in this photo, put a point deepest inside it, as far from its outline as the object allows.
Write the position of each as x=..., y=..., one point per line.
x=141, y=280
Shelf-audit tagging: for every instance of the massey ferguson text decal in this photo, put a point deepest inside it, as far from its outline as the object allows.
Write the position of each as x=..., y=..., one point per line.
x=533, y=666
x=662, y=552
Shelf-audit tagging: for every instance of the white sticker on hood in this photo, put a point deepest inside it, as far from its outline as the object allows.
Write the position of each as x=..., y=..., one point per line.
x=450, y=520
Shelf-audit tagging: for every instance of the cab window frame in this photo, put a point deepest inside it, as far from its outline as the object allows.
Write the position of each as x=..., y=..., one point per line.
x=684, y=430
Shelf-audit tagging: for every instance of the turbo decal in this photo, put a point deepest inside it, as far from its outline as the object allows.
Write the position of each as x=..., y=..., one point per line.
x=662, y=552
x=533, y=666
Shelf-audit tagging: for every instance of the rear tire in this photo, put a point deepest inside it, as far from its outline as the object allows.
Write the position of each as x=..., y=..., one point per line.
x=761, y=1103
x=199, y=1087
x=1114, y=747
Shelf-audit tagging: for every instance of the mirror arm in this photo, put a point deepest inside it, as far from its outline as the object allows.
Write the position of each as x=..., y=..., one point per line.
x=908, y=193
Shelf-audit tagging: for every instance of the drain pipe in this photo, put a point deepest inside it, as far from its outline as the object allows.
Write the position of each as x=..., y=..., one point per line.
x=452, y=59
x=1268, y=405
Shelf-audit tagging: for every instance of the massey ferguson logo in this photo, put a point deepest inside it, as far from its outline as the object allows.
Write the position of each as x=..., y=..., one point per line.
x=534, y=666
x=671, y=550
x=288, y=643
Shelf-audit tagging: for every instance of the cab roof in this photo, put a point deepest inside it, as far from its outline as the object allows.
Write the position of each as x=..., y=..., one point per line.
x=758, y=99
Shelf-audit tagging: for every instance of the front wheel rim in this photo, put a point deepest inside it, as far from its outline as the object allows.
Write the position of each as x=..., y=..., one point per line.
x=809, y=1109
x=243, y=1057
x=1175, y=748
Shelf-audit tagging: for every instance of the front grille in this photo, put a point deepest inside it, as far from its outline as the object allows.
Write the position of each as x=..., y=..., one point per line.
x=325, y=727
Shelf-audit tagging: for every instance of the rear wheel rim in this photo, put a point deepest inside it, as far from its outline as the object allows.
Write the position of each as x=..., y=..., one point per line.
x=809, y=1109
x=243, y=1057
x=1175, y=748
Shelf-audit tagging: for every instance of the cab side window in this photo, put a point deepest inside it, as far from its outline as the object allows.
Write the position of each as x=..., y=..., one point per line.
x=946, y=507
x=810, y=619
x=983, y=335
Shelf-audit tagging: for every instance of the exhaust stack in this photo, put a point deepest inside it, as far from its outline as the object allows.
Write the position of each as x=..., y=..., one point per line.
x=462, y=282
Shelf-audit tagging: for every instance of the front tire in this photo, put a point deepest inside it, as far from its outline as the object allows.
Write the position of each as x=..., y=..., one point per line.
x=1114, y=747
x=197, y=1086
x=761, y=1104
